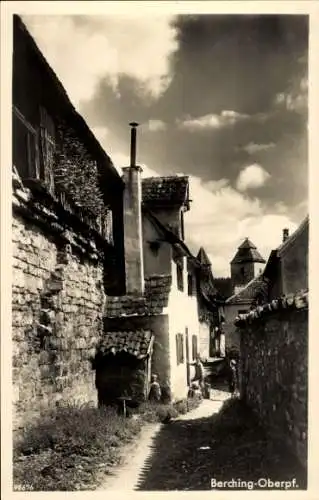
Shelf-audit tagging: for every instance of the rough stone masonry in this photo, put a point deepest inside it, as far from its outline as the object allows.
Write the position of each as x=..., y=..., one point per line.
x=57, y=305
x=274, y=360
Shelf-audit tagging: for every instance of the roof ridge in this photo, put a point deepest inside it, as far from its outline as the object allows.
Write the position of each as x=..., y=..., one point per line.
x=294, y=235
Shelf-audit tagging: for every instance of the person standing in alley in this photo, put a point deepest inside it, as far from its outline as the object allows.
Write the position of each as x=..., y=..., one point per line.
x=155, y=390
x=232, y=377
x=199, y=373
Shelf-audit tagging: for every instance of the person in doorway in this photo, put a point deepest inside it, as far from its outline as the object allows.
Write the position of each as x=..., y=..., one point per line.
x=155, y=390
x=232, y=377
x=199, y=373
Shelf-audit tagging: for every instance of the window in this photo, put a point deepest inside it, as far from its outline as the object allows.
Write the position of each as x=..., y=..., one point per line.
x=194, y=346
x=107, y=226
x=179, y=348
x=25, y=147
x=47, y=144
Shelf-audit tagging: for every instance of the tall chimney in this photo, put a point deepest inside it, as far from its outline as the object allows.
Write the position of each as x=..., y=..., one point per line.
x=285, y=235
x=132, y=206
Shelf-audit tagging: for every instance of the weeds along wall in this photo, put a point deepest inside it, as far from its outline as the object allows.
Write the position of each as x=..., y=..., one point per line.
x=57, y=304
x=274, y=374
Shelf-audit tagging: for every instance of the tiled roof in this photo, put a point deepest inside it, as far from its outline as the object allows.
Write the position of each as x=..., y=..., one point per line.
x=165, y=190
x=138, y=343
x=256, y=286
x=157, y=289
x=299, y=301
x=247, y=252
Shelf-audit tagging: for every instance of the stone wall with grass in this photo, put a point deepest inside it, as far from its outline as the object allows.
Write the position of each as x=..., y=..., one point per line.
x=274, y=373
x=57, y=304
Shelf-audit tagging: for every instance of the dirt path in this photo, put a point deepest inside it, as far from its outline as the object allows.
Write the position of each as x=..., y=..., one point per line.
x=137, y=457
x=219, y=440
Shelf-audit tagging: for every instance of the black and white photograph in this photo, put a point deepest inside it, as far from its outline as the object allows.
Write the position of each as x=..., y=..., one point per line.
x=159, y=229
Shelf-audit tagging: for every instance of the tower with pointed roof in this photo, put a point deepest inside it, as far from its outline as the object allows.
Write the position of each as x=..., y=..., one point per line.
x=246, y=265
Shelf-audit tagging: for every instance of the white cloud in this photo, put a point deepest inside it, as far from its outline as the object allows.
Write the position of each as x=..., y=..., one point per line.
x=253, y=176
x=155, y=125
x=252, y=147
x=296, y=97
x=81, y=53
x=220, y=219
x=224, y=119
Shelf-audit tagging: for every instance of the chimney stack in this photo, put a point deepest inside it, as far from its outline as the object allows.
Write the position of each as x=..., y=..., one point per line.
x=132, y=207
x=133, y=126
x=285, y=235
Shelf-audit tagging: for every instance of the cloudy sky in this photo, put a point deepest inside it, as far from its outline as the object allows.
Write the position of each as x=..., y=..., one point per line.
x=222, y=99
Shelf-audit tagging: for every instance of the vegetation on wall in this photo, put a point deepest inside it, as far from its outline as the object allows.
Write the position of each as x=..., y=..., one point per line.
x=76, y=173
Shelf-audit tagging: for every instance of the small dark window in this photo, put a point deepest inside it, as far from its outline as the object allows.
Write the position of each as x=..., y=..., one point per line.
x=179, y=348
x=190, y=284
x=25, y=150
x=194, y=346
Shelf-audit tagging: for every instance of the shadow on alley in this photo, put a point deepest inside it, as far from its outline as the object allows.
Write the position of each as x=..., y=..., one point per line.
x=187, y=454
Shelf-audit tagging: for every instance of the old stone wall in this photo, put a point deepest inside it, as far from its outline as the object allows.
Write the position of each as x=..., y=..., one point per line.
x=57, y=305
x=274, y=376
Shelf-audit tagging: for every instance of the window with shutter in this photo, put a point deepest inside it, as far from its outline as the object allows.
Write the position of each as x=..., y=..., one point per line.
x=180, y=348
x=47, y=142
x=194, y=346
x=24, y=146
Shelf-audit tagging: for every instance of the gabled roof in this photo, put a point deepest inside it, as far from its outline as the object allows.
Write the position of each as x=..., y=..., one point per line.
x=275, y=255
x=247, y=252
x=286, y=244
x=202, y=257
x=164, y=191
x=257, y=286
x=137, y=343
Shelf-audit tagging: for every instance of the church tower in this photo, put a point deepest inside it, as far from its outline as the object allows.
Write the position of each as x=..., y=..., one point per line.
x=246, y=265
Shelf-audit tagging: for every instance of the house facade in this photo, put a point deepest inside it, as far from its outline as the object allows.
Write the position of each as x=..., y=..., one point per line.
x=161, y=283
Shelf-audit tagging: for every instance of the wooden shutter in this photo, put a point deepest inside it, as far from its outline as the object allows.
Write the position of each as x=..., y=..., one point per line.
x=194, y=346
x=47, y=141
x=180, y=348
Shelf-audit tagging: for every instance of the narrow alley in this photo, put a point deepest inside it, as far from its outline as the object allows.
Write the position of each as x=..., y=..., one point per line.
x=220, y=440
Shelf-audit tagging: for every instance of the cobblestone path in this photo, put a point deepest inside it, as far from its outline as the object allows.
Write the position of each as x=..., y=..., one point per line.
x=219, y=440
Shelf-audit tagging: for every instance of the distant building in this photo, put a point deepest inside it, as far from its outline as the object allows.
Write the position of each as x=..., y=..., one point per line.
x=247, y=285
x=246, y=265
